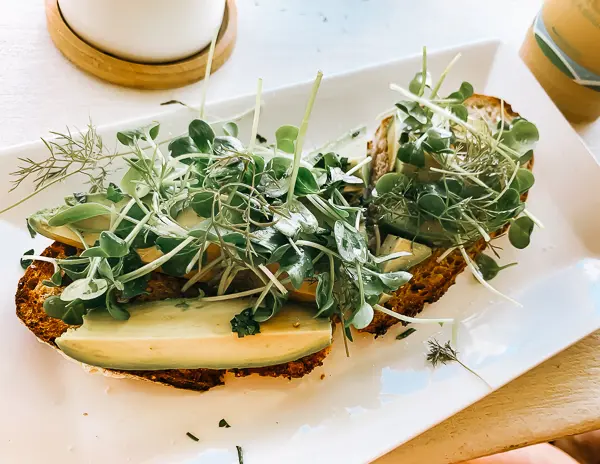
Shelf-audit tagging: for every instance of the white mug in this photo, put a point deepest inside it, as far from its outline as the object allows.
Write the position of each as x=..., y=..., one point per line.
x=146, y=31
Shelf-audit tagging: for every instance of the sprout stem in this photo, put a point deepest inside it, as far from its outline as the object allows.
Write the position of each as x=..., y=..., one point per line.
x=301, y=136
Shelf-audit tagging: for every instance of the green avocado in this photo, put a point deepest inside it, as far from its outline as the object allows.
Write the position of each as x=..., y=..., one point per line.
x=189, y=334
x=392, y=244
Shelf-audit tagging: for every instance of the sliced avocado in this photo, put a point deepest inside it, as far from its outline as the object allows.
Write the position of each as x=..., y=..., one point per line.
x=393, y=244
x=189, y=334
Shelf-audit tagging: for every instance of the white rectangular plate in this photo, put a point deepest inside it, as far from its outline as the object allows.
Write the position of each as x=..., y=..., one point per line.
x=385, y=393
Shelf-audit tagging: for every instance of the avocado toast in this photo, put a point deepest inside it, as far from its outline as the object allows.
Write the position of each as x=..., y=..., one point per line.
x=191, y=265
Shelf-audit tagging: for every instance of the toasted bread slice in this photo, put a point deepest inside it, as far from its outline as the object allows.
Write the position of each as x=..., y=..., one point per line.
x=31, y=294
x=430, y=279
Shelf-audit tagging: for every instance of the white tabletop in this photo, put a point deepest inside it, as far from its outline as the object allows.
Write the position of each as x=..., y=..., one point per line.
x=281, y=41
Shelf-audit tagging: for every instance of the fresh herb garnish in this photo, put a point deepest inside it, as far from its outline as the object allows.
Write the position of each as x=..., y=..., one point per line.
x=459, y=177
x=444, y=354
x=114, y=193
x=261, y=139
x=488, y=266
x=406, y=333
x=183, y=305
x=245, y=324
x=192, y=436
x=240, y=454
x=223, y=423
x=25, y=263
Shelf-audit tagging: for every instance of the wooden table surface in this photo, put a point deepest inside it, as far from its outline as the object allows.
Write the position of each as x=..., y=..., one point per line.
x=41, y=91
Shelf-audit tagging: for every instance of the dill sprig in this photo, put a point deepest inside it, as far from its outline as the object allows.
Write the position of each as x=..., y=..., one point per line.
x=444, y=354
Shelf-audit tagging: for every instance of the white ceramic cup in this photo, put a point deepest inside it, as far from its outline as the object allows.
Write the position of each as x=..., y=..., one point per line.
x=147, y=31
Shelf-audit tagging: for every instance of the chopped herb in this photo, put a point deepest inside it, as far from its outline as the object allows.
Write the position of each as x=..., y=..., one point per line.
x=240, y=455
x=406, y=333
x=192, y=436
x=355, y=134
x=25, y=263
x=261, y=139
x=31, y=230
x=244, y=323
x=80, y=197
x=175, y=102
x=223, y=423
x=114, y=193
x=182, y=304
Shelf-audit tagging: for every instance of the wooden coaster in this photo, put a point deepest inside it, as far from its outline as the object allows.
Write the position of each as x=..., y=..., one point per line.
x=140, y=75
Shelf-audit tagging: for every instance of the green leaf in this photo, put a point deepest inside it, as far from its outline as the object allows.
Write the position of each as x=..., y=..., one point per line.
x=297, y=266
x=112, y=245
x=176, y=266
x=305, y=183
x=115, y=309
x=145, y=238
x=414, y=110
x=388, y=182
x=132, y=182
x=114, y=193
x=432, y=204
x=69, y=312
x=394, y=280
x=363, y=316
x=231, y=129
x=203, y=204
x=202, y=135
x=525, y=132
x=406, y=333
x=337, y=175
x=130, y=137
x=55, y=280
x=411, y=154
x=488, y=266
x=300, y=220
x=77, y=213
x=524, y=180
x=520, y=231
x=135, y=287
x=31, y=230
x=25, y=263
x=526, y=157
x=460, y=111
x=269, y=238
x=415, y=84
x=94, y=252
x=183, y=145
x=465, y=91
x=350, y=244
x=74, y=271
x=509, y=200
x=324, y=297
x=286, y=138
x=223, y=423
x=244, y=323
x=269, y=307
x=84, y=289
x=106, y=271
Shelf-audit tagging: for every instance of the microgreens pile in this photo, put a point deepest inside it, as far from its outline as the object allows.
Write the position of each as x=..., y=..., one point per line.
x=459, y=175
x=263, y=214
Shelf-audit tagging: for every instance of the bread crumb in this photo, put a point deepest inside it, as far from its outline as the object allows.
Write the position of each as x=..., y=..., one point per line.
x=322, y=376
x=296, y=324
x=85, y=413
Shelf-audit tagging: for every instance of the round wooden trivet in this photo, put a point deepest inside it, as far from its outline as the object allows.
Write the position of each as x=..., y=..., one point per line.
x=140, y=75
